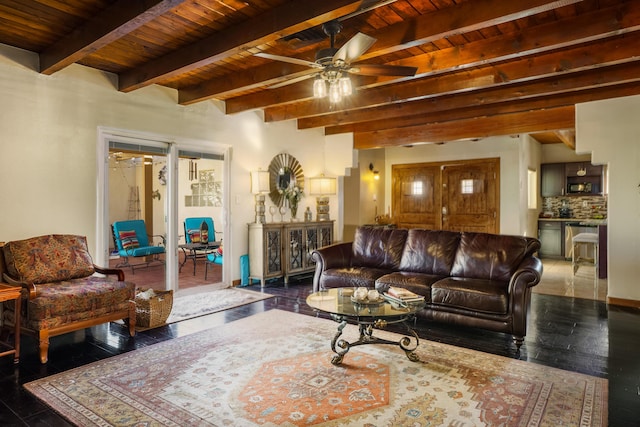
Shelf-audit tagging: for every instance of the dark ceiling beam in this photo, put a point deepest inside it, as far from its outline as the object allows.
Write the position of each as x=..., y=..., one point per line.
x=443, y=111
x=267, y=27
x=552, y=86
x=480, y=127
x=430, y=27
x=459, y=19
x=536, y=40
x=113, y=23
x=561, y=34
x=617, y=50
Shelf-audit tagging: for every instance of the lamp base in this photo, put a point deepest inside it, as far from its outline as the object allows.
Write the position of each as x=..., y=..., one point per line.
x=260, y=209
x=322, y=208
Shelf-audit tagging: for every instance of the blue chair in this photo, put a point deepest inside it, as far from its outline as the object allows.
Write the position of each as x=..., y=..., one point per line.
x=132, y=240
x=213, y=258
x=200, y=237
x=194, y=230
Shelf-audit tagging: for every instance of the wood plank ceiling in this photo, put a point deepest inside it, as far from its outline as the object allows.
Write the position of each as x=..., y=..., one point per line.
x=484, y=67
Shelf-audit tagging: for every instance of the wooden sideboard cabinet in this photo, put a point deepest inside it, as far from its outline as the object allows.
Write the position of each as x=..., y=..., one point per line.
x=283, y=249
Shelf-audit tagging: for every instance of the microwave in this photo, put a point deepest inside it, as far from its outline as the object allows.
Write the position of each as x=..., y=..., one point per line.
x=582, y=188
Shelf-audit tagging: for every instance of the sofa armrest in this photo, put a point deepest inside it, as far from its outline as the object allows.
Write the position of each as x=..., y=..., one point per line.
x=332, y=256
x=526, y=276
x=107, y=271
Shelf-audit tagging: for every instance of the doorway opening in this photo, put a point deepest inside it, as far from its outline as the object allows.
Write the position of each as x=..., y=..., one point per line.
x=161, y=182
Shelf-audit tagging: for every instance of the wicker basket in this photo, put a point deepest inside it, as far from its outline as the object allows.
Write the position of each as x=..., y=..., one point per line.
x=154, y=311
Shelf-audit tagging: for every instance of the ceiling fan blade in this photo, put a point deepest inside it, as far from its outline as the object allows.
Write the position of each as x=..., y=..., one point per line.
x=292, y=81
x=356, y=46
x=288, y=59
x=383, y=70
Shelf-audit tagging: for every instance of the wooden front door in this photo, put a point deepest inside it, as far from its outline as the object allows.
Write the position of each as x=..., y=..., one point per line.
x=457, y=196
x=416, y=196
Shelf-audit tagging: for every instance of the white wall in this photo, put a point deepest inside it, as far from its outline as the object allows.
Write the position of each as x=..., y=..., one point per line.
x=530, y=160
x=506, y=148
x=48, y=138
x=611, y=131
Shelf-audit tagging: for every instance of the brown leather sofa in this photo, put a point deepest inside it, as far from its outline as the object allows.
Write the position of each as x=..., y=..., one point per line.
x=473, y=279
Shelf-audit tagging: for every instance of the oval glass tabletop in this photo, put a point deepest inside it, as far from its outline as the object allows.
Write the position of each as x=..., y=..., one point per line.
x=339, y=301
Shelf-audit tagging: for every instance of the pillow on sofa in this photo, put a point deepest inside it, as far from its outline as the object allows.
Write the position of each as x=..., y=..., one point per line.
x=129, y=240
x=50, y=258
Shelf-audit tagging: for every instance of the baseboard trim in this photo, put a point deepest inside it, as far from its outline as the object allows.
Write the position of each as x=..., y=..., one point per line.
x=623, y=302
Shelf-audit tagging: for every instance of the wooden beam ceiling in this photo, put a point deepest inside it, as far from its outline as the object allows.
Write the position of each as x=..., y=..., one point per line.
x=484, y=67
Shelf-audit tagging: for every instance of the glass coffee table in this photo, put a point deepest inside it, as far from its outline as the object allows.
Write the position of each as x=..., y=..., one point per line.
x=340, y=304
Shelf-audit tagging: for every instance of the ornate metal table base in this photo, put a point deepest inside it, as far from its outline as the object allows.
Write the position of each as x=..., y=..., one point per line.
x=341, y=346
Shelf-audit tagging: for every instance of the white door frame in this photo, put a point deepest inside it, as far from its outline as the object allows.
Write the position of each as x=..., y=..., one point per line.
x=173, y=144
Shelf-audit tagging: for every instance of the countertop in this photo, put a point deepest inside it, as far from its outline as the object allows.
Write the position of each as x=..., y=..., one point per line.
x=585, y=221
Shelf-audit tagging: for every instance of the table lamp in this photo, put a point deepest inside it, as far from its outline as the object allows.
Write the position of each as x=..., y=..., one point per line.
x=322, y=187
x=259, y=187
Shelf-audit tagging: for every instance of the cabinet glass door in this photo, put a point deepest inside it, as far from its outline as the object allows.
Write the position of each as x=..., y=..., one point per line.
x=296, y=251
x=273, y=253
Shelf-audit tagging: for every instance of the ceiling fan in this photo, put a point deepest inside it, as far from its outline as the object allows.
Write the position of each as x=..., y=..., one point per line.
x=334, y=65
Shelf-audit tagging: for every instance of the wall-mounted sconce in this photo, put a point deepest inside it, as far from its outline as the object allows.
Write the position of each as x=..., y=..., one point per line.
x=376, y=174
x=260, y=187
x=322, y=187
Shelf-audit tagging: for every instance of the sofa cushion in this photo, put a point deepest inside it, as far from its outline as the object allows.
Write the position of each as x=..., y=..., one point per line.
x=378, y=247
x=351, y=277
x=489, y=256
x=50, y=258
x=486, y=296
x=418, y=283
x=429, y=251
x=73, y=300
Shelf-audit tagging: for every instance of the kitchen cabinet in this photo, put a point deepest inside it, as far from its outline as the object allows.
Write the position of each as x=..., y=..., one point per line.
x=556, y=177
x=572, y=169
x=553, y=179
x=551, y=236
x=283, y=249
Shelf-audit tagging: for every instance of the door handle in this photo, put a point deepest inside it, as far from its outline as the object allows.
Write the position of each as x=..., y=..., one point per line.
x=444, y=210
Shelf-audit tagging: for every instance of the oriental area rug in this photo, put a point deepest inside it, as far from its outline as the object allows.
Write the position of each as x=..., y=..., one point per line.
x=274, y=369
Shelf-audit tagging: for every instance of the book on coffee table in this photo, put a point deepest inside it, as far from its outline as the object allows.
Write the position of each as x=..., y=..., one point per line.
x=402, y=296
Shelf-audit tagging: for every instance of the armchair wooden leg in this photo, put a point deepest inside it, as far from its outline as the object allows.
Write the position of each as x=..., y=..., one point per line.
x=44, y=346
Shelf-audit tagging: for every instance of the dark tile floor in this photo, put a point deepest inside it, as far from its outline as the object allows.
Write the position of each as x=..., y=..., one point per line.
x=574, y=334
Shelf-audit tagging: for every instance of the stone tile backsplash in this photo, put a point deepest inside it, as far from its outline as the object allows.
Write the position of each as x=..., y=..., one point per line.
x=583, y=207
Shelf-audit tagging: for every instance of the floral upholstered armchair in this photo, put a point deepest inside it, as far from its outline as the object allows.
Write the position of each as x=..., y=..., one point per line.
x=60, y=290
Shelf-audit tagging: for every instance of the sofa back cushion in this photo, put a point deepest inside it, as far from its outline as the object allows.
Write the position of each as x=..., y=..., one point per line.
x=429, y=251
x=50, y=258
x=378, y=247
x=491, y=256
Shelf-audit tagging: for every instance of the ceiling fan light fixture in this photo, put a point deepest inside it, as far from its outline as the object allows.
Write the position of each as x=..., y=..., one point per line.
x=319, y=88
x=334, y=92
x=345, y=86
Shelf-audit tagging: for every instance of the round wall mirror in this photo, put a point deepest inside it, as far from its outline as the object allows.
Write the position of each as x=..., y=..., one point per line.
x=284, y=172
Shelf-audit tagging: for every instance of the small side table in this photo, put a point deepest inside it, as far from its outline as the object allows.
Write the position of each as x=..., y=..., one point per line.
x=8, y=293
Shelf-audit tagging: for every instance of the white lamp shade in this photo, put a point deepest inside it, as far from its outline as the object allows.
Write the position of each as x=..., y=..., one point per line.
x=259, y=182
x=322, y=186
